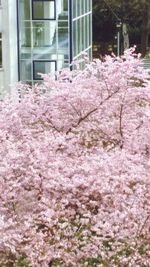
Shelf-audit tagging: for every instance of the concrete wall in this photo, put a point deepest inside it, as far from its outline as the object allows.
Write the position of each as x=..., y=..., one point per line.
x=8, y=26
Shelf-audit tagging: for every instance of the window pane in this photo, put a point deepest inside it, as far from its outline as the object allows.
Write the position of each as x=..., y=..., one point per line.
x=43, y=67
x=78, y=7
x=25, y=70
x=74, y=8
x=43, y=10
x=90, y=5
x=90, y=32
x=24, y=9
x=82, y=34
x=65, y=5
x=25, y=33
x=63, y=30
x=79, y=35
x=63, y=38
x=74, y=38
x=87, y=31
x=44, y=34
x=82, y=6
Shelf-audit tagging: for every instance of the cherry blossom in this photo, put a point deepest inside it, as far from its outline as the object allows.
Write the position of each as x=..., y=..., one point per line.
x=75, y=168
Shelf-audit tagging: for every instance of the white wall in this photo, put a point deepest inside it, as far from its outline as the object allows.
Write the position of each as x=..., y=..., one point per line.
x=9, y=72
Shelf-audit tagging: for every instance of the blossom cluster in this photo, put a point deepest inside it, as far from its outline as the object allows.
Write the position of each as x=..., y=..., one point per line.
x=75, y=169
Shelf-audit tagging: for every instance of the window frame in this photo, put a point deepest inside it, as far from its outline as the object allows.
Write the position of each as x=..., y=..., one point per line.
x=43, y=61
x=44, y=1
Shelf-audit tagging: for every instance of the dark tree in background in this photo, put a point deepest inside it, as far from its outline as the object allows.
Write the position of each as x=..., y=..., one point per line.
x=135, y=14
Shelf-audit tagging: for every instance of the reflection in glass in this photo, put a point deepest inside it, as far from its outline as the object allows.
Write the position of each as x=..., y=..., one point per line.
x=83, y=6
x=63, y=38
x=65, y=5
x=74, y=8
x=25, y=32
x=44, y=34
x=24, y=9
x=43, y=9
x=78, y=7
x=74, y=38
x=25, y=70
x=43, y=67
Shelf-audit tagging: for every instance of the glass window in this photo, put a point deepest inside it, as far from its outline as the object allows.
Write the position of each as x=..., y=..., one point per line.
x=78, y=7
x=74, y=38
x=90, y=31
x=65, y=5
x=44, y=34
x=87, y=31
x=25, y=70
x=62, y=31
x=83, y=6
x=74, y=7
x=24, y=9
x=79, y=35
x=83, y=33
x=63, y=38
x=25, y=33
x=43, y=10
x=0, y=50
x=90, y=5
x=86, y=6
x=47, y=66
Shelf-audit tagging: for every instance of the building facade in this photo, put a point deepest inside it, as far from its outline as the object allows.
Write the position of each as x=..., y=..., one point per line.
x=41, y=36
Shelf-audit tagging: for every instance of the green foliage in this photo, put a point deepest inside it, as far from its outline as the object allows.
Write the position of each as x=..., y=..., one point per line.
x=22, y=262
x=135, y=13
x=92, y=261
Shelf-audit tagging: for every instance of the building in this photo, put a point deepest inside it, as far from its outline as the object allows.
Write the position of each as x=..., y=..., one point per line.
x=41, y=36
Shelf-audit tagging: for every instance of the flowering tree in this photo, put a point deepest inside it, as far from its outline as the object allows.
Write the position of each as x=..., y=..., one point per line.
x=74, y=169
